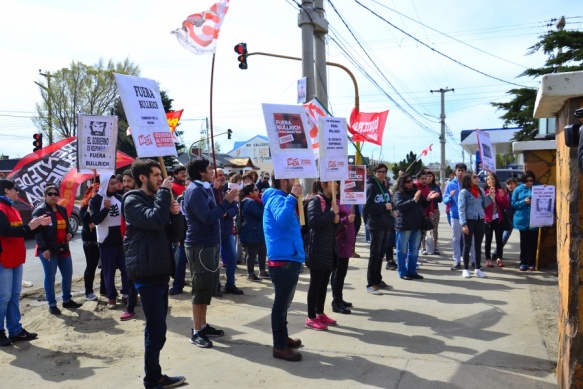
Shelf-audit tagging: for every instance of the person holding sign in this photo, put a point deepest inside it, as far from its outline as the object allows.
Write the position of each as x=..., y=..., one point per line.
x=379, y=219
x=495, y=220
x=521, y=202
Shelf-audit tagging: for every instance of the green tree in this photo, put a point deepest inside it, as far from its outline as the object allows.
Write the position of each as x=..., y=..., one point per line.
x=565, y=54
x=87, y=89
x=409, y=164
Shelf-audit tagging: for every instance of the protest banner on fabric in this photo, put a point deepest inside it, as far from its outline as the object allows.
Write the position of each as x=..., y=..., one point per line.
x=333, y=149
x=368, y=127
x=199, y=32
x=143, y=107
x=96, y=142
x=54, y=164
x=485, y=146
x=315, y=110
x=289, y=141
x=353, y=189
x=542, y=206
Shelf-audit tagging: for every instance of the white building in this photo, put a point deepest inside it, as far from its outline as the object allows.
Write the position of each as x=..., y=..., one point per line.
x=256, y=148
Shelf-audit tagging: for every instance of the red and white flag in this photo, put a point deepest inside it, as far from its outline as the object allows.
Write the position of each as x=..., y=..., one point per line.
x=315, y=110
x=368, y=127
x=199, y=32
x=427, y=150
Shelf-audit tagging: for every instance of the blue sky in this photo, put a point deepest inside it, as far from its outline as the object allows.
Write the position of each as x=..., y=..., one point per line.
x=491, y=37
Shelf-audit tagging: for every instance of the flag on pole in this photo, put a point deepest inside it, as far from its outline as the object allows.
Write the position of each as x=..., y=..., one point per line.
x=199, y=32
x=427, y=150
x=368, y=127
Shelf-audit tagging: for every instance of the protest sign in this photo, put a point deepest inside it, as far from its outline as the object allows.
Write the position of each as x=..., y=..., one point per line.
x=542, y=206
x=302, y=90
x=289, y=141
x=145, y=113
x=96, y=142
x=488, y=157
x=333, y=148
x=315, y=110
x=353, y=189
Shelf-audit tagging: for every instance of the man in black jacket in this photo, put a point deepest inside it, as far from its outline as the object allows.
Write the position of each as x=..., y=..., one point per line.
x=153, y=222
x=379, y=219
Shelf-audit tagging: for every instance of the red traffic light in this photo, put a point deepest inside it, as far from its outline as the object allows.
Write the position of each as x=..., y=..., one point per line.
x=38, y=142
x=241, y=49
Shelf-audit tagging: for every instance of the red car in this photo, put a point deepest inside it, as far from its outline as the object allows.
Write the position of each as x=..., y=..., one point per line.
x=26, y=214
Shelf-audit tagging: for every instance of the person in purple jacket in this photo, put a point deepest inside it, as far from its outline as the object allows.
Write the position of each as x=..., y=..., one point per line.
x=345, y=239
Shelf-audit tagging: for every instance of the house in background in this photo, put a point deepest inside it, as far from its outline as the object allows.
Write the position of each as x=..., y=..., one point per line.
x=257, y=149
x=501, y=139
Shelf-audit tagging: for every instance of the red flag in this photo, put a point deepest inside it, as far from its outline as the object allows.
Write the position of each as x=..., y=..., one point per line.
x=54, y=164
x=173, y=119
x=368, y=127
x=315, y=110
x=200, y=30
x=426, y=151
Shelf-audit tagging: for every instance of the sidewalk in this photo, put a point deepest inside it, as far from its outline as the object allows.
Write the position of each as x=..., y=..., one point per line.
x=442, y=332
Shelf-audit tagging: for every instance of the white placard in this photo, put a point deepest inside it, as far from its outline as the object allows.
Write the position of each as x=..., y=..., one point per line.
x=353, y=189
x=143, y=107
x=289, y=141
x=486, y=152
x=333, y=148
x=542, y=206
x=96, y=142
x=302, y=85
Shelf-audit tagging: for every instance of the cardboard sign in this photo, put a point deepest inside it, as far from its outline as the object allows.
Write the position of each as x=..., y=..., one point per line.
x=289, y=141
x=488, y=157
x=542, y=206
x=333, y=148
x=143, y=107
x=96, y=142
x=353, y=189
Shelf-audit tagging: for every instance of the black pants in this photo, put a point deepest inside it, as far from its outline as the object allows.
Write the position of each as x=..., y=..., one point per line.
x=477, y=229
x=494, y=228
x=379, y=239
x=255, y=251
x=337, y=280
x=132, y=296
x=392, y=244
x=91, y=260
x=528, y=243
x=357, y=219
x=317, y=291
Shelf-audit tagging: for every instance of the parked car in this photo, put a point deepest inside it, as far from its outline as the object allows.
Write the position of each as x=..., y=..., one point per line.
x=502, y=174
x=26, y=214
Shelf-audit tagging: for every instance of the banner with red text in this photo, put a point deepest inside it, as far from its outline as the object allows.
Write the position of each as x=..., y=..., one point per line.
x=368, y=127
x=143, y=107
x=54, y=164
x=333, y=149
x=289, y=141
x=353, y=189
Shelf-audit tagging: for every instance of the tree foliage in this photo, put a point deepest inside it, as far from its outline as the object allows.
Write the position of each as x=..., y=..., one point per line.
x=565, y=54
x=409, y=164
x=80, y=88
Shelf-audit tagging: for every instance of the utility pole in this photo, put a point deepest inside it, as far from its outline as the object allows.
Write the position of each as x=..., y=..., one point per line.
x=48, y=76
x=442, y=136
x=314, y=28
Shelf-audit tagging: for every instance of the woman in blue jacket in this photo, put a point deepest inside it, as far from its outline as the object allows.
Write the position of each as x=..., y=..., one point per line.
x=521, y=198
x=251, y=234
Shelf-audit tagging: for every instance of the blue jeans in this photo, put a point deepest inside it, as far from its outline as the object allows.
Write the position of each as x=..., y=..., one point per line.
x=113, y=258
x=366, y=233
x=408, y=248
x=229, y=255
x=285, y=280
x=10, y=285
x=155, y=307
x=180, y=264
x=65, y=266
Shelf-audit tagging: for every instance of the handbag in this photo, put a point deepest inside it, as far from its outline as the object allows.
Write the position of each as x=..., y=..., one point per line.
x=427, y=224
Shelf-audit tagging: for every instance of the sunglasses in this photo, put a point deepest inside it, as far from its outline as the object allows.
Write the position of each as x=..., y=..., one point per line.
x=408, y=181
x=529, y=181
x=474, y=176
x=53, y=194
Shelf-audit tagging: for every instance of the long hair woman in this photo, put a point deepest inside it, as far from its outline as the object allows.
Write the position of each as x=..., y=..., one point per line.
x=251, y=233
x=494, y=217
x=471, y=204
x=521, y=202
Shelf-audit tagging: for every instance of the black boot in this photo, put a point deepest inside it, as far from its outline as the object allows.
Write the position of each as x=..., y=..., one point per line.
x=338, y=307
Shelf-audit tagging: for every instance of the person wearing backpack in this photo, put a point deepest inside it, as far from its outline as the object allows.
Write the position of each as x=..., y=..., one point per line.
x=250, y=229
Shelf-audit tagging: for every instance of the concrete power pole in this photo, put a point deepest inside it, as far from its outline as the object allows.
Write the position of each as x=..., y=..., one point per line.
x=442, y=177
x=314, y=27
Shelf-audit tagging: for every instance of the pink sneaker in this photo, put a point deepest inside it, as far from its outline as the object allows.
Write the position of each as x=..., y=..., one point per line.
x=315, y=325
x=127, y=316
x=324, y=319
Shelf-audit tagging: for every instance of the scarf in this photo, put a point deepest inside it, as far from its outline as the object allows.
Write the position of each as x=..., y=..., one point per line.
x=475, y=190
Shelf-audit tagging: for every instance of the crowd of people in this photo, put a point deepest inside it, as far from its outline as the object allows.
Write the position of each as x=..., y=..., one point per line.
x=152, y=229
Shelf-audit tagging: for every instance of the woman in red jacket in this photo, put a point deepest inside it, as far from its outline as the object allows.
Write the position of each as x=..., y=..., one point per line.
x=494, y=218
x=12, y=257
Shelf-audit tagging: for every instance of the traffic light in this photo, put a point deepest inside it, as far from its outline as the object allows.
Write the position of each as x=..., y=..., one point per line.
x=229, y=132
x=38, y=142
x=241, y=49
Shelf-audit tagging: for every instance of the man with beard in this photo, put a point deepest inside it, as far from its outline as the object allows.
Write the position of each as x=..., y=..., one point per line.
x=179, y=178
x=153, y=222
x=105, y=211
x=129, y=184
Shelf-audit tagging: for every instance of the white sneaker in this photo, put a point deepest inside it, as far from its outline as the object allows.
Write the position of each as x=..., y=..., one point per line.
x=480, y=274
x=466, y=273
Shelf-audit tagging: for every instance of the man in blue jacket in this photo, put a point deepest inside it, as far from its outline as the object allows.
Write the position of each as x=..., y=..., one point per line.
x=285, y=255
x=450, y=196
x=202, y=244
